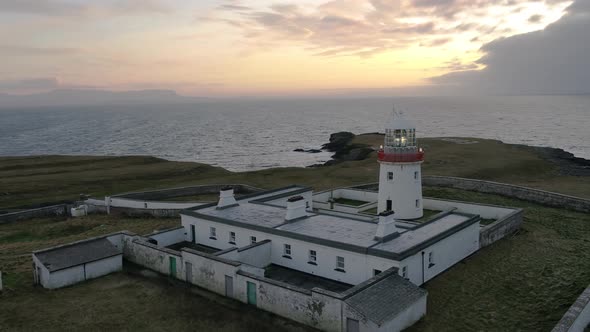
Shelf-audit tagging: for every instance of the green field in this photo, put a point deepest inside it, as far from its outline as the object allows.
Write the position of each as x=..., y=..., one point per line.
x=524, y=282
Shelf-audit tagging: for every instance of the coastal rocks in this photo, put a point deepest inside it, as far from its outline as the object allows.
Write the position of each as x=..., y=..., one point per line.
x=338, y=141
x=344, y=150
x=308, y=150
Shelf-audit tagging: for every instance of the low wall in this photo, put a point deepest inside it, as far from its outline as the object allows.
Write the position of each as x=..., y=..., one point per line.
x=186, y=191
x=137, y=250
x=48, y=211
x=157, y=213
x=168, y=236
x=500, y=228
x=577, y=318
x=527, y=194
x=256, y=254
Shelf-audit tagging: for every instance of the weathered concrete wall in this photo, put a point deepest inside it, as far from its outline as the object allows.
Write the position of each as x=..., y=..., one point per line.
x=289, y=301
x=209, y=271
x=48, y=211
x=257, y=254
x=137, y=212
x=577, y=318
x=169, y=236
x=500, y=228
x=528, y=194
x=141, y=252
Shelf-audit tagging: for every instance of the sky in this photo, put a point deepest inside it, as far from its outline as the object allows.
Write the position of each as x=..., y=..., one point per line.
x=268, y=47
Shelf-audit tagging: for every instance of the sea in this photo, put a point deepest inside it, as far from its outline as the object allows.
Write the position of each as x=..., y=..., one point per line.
x=253, y=134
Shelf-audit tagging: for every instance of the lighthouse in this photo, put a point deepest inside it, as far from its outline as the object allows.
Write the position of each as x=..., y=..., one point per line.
x=400, y=178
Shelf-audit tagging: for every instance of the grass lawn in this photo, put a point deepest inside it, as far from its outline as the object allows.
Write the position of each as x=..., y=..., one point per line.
x=524, y=282
x=32, y=180
x=121, y=301
x=351, y=202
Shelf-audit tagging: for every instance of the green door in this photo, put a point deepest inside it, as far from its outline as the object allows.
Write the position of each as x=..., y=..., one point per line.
x=173, y=267
x=251, y=287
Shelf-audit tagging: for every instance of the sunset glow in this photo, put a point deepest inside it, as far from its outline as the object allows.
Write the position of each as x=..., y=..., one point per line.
x=232, y=48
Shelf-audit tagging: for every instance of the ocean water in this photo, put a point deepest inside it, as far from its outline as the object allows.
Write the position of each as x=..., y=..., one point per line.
x=256, y=134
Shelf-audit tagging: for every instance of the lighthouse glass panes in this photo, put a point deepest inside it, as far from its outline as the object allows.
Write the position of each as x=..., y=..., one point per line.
x=400, y=137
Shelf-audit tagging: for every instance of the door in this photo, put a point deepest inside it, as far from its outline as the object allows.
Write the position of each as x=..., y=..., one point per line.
x=193, y=237
x=39, y=279
x=188, y=270
x=388, y=208
x=352, y=325
x=229, y=286
x=173, y=267
x=251, y=288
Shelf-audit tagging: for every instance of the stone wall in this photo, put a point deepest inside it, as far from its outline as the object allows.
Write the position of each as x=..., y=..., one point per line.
x=135, y=212
x=527, y=194
x=577, y=318
x=502, y=227
x=48, y=211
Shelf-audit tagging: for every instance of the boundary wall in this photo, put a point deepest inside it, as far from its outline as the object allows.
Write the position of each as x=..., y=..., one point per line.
x=577, y=318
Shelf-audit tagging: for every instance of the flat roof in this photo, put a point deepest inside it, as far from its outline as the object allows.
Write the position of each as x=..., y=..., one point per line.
x=344, y=232
x=67, y=256
x=339, y=229
x=412, y=238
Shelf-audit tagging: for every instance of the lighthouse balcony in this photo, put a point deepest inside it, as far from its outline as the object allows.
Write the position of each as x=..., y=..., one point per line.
x=408, y=157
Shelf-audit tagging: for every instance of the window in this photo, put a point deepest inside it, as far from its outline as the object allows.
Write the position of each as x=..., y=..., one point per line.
x=287, y=251
x=252, y=239
x=416, y=175
x=212, y=233
x=313, y=257
x=417, y=203
x=389, y=175
x=430, y=259
x=340, y=263
x=307, y=204
x=405, y=272
x=376, y=272
x=232, y=237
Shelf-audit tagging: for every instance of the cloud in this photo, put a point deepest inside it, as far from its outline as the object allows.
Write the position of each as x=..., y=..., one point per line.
x=550, y=61
x=83, y=8
x=367, y=27
x=28, y=84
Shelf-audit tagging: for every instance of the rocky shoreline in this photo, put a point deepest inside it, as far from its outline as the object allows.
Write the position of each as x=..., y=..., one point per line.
x=344, y=150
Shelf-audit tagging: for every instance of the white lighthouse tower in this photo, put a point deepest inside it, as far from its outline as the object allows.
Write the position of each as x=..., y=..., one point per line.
x=400, y=179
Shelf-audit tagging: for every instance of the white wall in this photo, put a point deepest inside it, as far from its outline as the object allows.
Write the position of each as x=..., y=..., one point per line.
x=259, y=256
x=359, y=267
x=104, y=266
x=485, y=211
x=209, y=273
x=447, y=253
x=403, y=190
x=146, y=254
x=169, y=237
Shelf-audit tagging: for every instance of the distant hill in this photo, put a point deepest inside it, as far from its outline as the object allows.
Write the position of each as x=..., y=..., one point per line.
x=66, y=97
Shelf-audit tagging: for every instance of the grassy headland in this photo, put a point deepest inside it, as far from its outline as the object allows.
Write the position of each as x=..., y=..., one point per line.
x=34, y=180
x=523, y=282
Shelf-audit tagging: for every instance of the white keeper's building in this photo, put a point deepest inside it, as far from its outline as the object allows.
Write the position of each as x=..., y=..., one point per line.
x=319, y=235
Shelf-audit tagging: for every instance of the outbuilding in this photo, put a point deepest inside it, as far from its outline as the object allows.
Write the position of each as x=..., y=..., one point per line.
x=72, y=263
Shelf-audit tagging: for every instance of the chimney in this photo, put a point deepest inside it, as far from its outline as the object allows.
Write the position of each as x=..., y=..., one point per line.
x=226, y=197
x=295, y=208
x=386, y=226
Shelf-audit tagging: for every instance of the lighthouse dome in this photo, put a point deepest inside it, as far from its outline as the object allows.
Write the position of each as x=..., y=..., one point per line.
x=397, y=121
